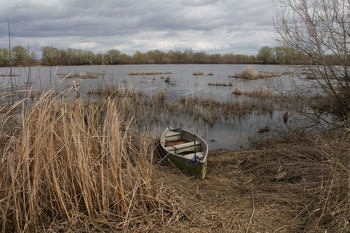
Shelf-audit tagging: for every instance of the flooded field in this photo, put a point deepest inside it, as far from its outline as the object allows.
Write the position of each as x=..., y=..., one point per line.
x=203, y=96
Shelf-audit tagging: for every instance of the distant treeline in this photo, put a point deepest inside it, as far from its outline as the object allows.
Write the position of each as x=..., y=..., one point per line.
x=51, y=56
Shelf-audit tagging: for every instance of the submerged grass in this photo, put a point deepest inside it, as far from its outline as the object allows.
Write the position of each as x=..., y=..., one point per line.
x=206, y=109
x=210, y=110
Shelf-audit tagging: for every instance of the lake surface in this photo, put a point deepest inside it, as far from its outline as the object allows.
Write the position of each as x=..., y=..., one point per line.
x=222, y=135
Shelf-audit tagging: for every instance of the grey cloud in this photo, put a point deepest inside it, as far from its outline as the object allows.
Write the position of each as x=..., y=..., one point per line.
x=122, y=23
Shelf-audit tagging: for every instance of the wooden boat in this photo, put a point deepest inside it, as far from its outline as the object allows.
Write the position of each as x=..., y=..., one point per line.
x=185, y=150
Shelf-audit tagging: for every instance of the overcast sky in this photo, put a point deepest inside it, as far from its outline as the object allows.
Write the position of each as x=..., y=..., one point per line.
x=212, y=26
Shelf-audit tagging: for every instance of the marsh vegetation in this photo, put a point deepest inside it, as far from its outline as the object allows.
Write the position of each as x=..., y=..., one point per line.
x=65, y=162
x=80, y=155
x=84, y=159
x=200, y=73
x=250, y=74
x=79, y=75
x=72, y=164
x=257, y=92
x=148, y=73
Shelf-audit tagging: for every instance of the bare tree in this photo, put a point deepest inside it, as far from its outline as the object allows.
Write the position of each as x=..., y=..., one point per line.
x=320, y=29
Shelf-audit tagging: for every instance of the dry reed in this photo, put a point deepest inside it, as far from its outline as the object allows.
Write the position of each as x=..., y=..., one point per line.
x=250, y=74
x=205, y=109
x=70, y=166
x=313, y=171
x=148, y=73
x=82, y=75
x=220, y=84
x=200, y=73
x=299, y=183
x=9, y=75
x=256, y=93
x=75, y=167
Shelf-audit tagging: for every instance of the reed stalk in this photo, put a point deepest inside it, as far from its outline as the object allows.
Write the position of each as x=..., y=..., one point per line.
x=72, y=160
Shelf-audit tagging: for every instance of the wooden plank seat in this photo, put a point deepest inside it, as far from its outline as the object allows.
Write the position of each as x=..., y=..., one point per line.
x=173, y=133
x=184, y=147
x=173, y=136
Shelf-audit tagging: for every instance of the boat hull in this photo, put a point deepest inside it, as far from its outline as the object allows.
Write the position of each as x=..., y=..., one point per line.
x=198, y=169
x=185, y=150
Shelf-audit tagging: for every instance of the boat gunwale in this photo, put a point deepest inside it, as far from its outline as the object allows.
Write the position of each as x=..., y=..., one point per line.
x=203, y=144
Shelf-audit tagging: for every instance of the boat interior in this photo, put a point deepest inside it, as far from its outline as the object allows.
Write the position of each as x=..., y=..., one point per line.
x=182, y=143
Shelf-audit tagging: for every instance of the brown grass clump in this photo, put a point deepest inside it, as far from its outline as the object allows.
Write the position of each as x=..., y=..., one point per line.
x=78, y=167
x=200, y=73
x=249, y=74
x=115, y=91
x=237, y=91
x=159, y=97
x=261, y=93
x=256, y=93
x=148, y=73
x=9, y=75
x=82, y=75
x=220, y=84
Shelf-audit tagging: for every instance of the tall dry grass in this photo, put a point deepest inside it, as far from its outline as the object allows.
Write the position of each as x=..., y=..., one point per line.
x=74, y=166
x=314, y=171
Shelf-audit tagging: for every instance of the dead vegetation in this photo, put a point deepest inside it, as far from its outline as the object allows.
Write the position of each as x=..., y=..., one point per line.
x=69, y=165
x=210, y=110
x=76, y=167
x=220, y=84
x=9, y=75
x=249, y=73
x=205, y=109
x=201, y=73
x=256, y=93
x=148, y=73
x=82, y=75
x=296, y=184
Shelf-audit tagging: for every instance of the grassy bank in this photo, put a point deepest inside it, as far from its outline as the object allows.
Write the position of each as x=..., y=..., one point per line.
x=299, y=183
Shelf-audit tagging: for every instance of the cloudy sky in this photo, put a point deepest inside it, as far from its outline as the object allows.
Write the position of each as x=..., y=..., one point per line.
x=212, y=26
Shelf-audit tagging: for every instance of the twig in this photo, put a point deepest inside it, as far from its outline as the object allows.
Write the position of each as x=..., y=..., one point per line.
x=253, y=212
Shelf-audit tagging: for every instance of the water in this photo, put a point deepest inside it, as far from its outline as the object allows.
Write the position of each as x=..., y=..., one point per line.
x=222, y=135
